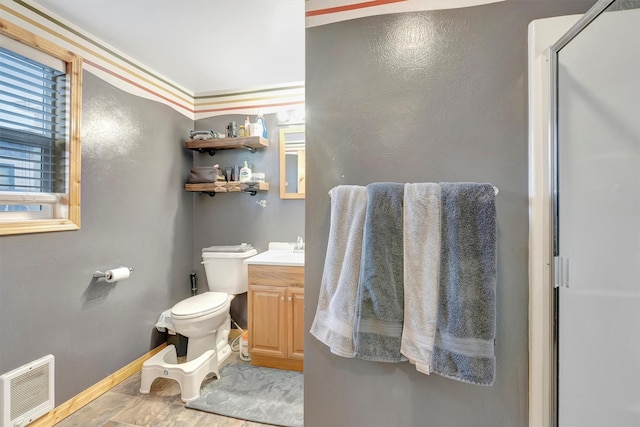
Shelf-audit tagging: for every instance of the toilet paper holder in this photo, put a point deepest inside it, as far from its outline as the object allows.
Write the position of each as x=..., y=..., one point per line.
x=108, y=275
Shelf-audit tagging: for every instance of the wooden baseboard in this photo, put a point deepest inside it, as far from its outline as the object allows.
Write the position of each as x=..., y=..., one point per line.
x=75, y=403
x=278, y=363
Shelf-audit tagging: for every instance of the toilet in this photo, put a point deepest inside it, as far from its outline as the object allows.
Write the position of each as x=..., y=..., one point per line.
x=205, y=320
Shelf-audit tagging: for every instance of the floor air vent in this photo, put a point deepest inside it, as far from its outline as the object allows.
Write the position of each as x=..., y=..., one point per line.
x=26, y=393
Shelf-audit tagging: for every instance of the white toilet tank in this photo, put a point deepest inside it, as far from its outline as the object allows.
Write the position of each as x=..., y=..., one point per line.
x=226, y=271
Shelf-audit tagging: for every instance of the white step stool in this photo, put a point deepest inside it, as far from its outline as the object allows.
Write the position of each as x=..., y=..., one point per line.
x=189, y=375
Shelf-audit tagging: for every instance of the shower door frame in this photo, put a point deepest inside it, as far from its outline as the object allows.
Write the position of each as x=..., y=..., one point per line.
x=543, y=125
x=555, y=267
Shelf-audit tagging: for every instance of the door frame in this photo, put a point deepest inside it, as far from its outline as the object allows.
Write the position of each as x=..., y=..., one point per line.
x=546, y=38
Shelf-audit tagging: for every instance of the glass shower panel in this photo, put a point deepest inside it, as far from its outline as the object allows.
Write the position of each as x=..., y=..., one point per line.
x=599, y=222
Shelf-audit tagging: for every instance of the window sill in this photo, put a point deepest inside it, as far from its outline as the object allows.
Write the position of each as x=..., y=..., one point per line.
x=37, y=226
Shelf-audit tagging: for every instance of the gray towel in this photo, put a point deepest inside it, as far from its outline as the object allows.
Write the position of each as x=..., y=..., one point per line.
x=464, y=347
x=380, y=298
x=333, y=323
x=244, y=247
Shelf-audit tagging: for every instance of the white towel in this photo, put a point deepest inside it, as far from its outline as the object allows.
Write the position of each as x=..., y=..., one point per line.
x=421, y=272
x=333, y=323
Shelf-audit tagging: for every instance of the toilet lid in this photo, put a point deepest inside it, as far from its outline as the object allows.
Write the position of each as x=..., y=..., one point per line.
x=199, y=305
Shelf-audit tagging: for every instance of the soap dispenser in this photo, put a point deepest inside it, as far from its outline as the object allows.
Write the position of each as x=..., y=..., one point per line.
x=245, y=173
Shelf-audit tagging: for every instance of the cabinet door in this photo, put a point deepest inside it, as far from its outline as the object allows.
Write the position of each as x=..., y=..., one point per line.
x=296, y=323
x=267, y=330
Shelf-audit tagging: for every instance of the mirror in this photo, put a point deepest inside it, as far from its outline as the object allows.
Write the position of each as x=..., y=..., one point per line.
x=292, y=160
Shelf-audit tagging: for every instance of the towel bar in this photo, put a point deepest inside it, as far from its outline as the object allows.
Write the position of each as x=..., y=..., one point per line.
x=496, y=190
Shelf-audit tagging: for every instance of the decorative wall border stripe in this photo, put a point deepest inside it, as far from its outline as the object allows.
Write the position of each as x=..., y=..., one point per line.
x=246, y=103
x=131, y=82
x=258, y=97
x=99, y=45
x=352, y=6
x=246, y=109
x=298, y=86
x=126, y=74
x=96, y=57
x=322, y=12
x=265, y=99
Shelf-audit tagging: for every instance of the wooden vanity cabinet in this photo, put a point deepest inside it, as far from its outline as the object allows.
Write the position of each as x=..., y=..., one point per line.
x=276, y=316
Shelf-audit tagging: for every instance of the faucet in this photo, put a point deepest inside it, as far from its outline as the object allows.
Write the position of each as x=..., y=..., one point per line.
x=299, y=246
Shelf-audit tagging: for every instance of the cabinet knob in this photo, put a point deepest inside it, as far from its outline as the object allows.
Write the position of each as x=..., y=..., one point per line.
x=281, y=298
x=289, y=298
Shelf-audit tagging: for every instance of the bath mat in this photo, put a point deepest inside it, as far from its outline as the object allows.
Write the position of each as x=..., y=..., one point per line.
x=263, y=395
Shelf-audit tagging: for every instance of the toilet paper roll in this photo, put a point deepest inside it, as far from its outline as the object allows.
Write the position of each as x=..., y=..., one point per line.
x=116, y=274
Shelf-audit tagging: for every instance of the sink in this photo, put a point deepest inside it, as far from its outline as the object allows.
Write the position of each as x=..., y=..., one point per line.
x=277, y=258
x=278, y=254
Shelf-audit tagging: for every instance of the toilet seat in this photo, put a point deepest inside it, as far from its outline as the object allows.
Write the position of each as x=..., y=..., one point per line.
x=199, y=305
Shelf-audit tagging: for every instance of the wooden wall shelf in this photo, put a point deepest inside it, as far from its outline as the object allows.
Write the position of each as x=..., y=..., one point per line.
x=251, y=143
x=209, y=188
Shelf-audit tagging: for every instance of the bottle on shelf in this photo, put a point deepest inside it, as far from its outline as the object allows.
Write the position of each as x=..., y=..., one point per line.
x=247, y=126
x=260, y=119
x=245, y=173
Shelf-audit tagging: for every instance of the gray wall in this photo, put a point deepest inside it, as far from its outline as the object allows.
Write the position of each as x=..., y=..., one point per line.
x=422, y=97
x=135, y=213
x=233, y=218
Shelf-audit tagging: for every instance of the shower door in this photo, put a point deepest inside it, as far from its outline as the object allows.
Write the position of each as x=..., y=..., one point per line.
x=596, y=67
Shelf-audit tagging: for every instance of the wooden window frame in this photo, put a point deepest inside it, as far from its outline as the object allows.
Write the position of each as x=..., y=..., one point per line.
x=71, y=200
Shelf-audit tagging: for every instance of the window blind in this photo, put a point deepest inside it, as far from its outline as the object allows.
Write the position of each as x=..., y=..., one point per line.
x=33, y=125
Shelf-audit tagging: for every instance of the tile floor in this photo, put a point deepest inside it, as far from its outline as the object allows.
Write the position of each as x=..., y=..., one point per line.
x=124, y=406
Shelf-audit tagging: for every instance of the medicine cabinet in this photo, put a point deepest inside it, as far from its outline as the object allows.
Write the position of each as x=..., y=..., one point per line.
x=292, y=162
